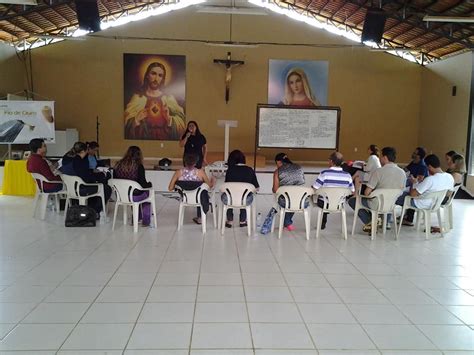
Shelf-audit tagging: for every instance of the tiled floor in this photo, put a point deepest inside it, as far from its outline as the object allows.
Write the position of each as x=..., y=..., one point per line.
x=93, y=291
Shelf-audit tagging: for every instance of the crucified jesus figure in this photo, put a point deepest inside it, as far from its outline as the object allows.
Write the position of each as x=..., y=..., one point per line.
x=229, y=64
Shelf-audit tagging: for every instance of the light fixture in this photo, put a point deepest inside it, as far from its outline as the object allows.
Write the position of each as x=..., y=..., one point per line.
x=20, y=2
x=232, y=10
x=464, y=19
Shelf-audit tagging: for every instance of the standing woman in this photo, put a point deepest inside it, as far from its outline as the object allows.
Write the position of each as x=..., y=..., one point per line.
x=194, y=142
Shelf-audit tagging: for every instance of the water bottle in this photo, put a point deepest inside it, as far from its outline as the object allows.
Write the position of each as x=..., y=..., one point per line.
x=259, y=220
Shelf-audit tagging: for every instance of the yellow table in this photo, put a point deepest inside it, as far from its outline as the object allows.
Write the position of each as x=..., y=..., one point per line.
x=17, y=180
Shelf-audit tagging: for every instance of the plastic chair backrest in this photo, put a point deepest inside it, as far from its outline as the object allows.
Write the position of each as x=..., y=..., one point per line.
x=333, y=197
x=72, y=185
x=192, y=197
x=451, y=196
x=295, y=196
x=237, y=193
x=436, y=198
x=40, y=180
x=124, y=189
x=386, y=199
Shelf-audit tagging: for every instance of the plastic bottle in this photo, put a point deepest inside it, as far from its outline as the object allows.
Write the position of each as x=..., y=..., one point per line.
x=259, y=220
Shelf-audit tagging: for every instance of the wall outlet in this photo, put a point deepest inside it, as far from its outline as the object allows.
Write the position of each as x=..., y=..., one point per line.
x=355, y=149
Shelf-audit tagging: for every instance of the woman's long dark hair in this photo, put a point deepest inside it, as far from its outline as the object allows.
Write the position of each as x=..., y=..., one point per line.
x=236, y=157
x=130, y=162
x=76, y=149
x=374, y=150
x=198, y=132
x=283, y=158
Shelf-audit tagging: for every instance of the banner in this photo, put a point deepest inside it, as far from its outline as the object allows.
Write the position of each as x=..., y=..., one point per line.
x=21, y=121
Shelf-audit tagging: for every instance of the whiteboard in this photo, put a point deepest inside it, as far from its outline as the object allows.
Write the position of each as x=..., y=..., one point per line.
x=292, y=127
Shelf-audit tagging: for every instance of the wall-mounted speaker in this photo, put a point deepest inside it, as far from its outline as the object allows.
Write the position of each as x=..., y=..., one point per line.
x=88, y=15
x=374, y=25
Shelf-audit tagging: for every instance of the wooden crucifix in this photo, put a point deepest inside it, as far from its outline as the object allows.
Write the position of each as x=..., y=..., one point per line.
x=229, y=64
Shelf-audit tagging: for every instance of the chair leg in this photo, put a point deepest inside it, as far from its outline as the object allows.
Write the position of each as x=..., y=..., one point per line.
x=281, y=222
x=253, y=209
x=373, y=232
x=56, y=202
x=35, y=203
x=203, y=222
x=307, y=222
x=401, y=221
x=440, y=221
x=250, y=220
x=356, y=214
x=395, y=227
x=153, y=210
x=43, y=202
x=418, y=220
x=224, y=213
x=66, y=206
x=450, y=216
x=135, y=208
x=318, y=222
x=214, y=214
x=125, y=216
x=180, y=216
x=273, y=221
x=115, y=214
x=344, y=225
x=384, y=223
x=104, y=207
x=427, y=217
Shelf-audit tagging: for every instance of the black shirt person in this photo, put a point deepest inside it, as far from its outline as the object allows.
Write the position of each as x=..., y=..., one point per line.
x=194, y=142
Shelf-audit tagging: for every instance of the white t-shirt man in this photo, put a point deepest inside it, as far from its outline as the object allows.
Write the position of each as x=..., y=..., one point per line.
x=433, y=183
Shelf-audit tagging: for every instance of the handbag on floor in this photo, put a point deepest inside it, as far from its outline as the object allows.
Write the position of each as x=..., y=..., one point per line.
x=267, y=223
x=80, y=216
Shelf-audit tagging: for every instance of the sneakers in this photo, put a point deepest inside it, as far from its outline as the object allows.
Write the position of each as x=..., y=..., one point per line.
x=290, y=227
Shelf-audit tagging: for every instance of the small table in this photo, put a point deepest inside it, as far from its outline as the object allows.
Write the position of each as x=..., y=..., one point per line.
x=17, y=180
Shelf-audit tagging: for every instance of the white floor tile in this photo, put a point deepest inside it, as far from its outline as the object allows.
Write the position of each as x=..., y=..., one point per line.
x=267, y=294
x=356, y=281
x=176, y=279
x=57, y=313
x=87, y=279
x=167, y=313
x=407, y=296
x=450, y=337
x=281, y=336
x=36, y=337
x=98, y=336
x=221, y=312
x=273, y=313
x=132, y=279
x=314, y=295
x=25, y=294
x=222, y=352
x=220, y=279
x=306, y=280
x=377, y=314
x=263, y=279
x=407, y=337
x=429, y=314
x=464, y=313
x=452, y=297
x=14, y=312
x=172, y=294
x=340, y=336
x=325, y=313
x=362, y=296
x=112, y=313
x=220, y=294
x=74, y=294
x=161, y=336
x=123, y=294
x=221, y=335
x=156, y=352
x=5, y=329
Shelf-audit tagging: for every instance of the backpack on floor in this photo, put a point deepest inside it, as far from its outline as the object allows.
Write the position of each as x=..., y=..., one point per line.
x=80, y=216
x=267, y=223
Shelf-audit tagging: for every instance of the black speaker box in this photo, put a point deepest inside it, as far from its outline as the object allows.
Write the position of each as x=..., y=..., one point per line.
x=374, y=25
x=88, y=15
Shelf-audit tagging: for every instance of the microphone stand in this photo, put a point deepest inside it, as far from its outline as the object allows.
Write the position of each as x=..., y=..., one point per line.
x=97, y=124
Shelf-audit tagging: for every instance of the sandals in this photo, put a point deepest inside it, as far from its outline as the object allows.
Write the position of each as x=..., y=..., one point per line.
x=197, y=220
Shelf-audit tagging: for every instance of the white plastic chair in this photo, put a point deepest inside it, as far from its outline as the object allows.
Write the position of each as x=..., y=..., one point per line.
x=295, y=197
x=124, y=190
x=436, y=200
x=41, y=197
x=448, y=209
x=334, y=199
x=192, y=198
x=237, y=193
x=73, y=184
x=385, y=200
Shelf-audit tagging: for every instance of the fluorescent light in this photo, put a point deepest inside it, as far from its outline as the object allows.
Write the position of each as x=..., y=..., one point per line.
x=20, y=2
x=232, y=44
x=232, y=10
x=464, y=19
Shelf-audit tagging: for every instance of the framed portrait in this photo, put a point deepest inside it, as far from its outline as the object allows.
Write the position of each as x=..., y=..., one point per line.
x=298, y=83
x=154, y=96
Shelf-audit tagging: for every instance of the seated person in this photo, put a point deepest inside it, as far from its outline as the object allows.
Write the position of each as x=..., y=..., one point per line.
x=389, y=176
x=190, y=178
x=92, y=149
x=130, y=167
x=333, y=177
x=457, y=168
x=39, y=165
x=286, y=174
x=80, y=168
x=417, y=168
x=237, y=171
x=449, y=159
x=436, y=181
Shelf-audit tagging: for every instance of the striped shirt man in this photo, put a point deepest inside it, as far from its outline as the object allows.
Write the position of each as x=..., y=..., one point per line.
x=334, y=177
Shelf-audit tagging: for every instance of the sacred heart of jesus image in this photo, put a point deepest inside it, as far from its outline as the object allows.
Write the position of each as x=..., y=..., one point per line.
x=156, y=114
